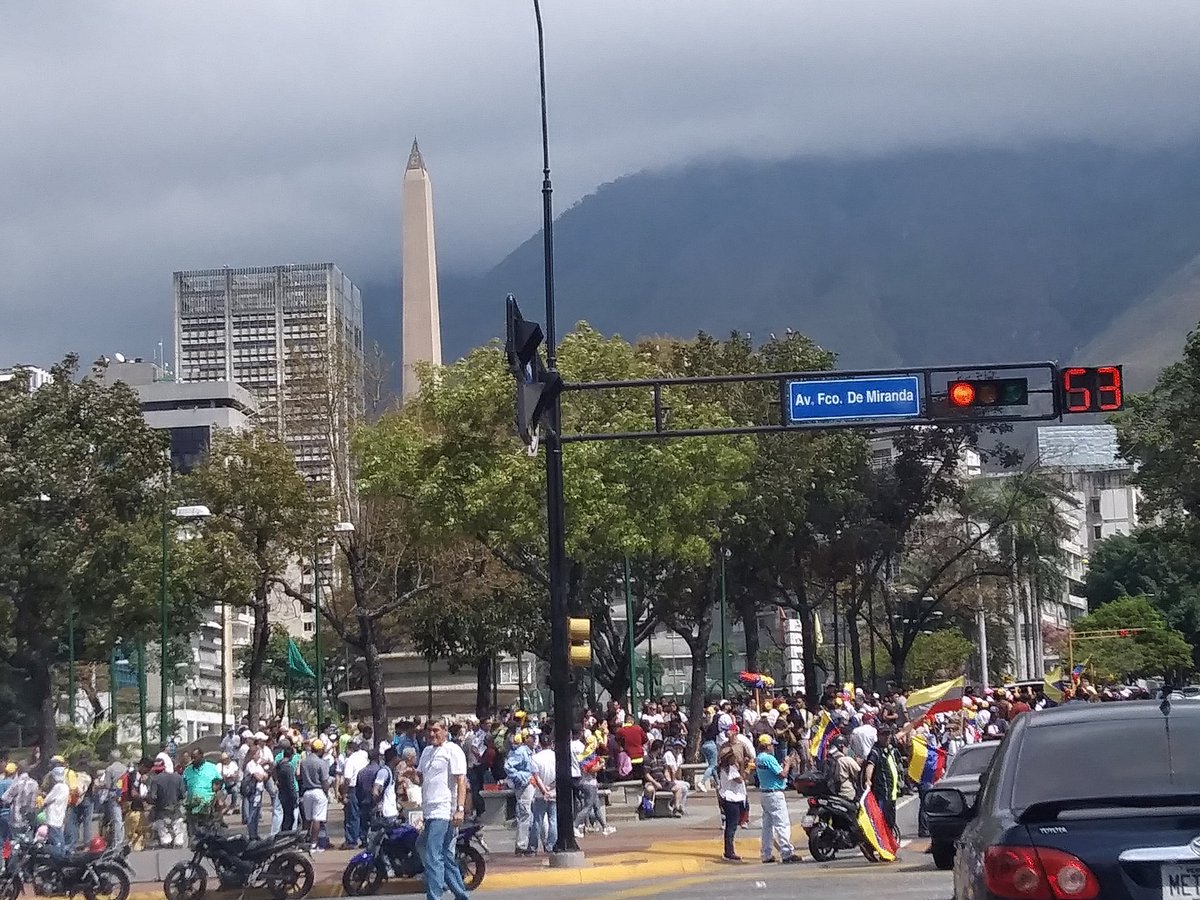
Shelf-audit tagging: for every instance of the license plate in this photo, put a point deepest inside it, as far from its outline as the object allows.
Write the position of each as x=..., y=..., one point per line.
x=1181, y=881
x=809, y=821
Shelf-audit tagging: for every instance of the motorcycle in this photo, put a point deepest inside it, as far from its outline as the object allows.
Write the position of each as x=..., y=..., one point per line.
x=279, y=863
x=832, y=825
x=391, y=852
x=97, y=874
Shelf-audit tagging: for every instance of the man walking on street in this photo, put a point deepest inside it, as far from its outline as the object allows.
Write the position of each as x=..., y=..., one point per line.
x=443, y=774
x=314, y=792
x=772, y=785
x=356, y=761
x=883, y=776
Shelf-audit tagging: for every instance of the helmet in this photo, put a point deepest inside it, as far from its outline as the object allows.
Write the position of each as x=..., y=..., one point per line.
x=97, y=845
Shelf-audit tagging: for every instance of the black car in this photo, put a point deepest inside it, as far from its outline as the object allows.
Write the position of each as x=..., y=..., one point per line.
x=1089, y=800
x=961, y=774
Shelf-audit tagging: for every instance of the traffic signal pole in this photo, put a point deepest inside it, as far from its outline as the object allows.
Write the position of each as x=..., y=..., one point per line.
x=566, y=850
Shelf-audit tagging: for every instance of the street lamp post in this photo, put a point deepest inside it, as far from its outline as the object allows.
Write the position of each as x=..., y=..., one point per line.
x=180, y=512
x=629, y=640
x=141, y=658
x=980, y=618
x=724, y=633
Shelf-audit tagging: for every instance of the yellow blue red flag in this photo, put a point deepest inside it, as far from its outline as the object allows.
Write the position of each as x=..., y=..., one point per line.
x=823, y=736
x=875, y=829
x=939, y=698
x=927, y=764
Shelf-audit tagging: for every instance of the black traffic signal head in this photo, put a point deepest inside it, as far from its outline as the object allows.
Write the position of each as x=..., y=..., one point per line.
x=983, y=392
x=521, y=343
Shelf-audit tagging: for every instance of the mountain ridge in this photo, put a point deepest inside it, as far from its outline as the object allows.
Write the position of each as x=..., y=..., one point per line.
x=925, y=257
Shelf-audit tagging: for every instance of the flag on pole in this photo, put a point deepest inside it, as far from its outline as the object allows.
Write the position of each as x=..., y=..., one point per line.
x=927, y=764
x=875, y=829
x=928, y=701
x=1050, y=685
x=296, y=664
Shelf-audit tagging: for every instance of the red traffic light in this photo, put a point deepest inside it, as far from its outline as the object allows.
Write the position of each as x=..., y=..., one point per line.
x=1123, y=632
x=961, y=393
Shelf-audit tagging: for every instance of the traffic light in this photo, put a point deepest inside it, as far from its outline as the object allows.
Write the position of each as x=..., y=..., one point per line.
x=981, y=392
x=536, y=390
x=579, y=633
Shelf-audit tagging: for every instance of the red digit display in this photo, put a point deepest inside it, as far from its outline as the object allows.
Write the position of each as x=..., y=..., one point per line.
x=1086, y=390
x=1109, y=388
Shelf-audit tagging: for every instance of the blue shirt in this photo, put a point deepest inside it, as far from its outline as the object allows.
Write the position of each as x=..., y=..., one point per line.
x=518, y=766
x=770, y=772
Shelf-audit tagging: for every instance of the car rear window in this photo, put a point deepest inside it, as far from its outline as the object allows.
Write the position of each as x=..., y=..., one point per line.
x=972, y=761
x=1116, y=756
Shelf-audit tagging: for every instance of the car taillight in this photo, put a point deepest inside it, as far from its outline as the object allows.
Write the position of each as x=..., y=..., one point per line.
x=1038, y=873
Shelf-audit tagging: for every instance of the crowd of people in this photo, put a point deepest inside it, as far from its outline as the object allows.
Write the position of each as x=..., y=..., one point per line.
x=278, y=776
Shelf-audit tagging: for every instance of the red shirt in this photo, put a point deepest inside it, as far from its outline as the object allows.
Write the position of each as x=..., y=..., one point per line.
x=1017, y=708
x=633, y=742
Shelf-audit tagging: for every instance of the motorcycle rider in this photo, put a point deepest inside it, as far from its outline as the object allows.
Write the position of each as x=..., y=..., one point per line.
x=845, y=771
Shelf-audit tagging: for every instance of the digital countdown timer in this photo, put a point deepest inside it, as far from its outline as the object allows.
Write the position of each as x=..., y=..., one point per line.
x=1090, y=390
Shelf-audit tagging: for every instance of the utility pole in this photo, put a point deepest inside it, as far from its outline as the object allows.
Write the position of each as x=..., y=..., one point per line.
x=560, y=666
x=629, y=641
x=724, y=638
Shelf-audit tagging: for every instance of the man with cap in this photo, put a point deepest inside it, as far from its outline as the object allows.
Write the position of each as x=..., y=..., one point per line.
x=21, y=797
x=518, y=768
x=772, y=785
x=166, y=797
x=314, y=791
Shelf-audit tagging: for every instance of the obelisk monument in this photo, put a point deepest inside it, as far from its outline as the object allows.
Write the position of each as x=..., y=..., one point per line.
x=421, y=325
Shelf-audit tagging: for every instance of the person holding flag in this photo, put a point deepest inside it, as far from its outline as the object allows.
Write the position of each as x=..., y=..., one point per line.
x=926, y=766
x=877, y=808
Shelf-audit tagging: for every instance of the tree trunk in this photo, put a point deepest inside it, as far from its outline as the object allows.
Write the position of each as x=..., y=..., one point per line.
x=747, y=611
x=852, y=637
x=483, y=686
x=374, y=672
x=259, y=637
x=41, y=684
x=699, y=681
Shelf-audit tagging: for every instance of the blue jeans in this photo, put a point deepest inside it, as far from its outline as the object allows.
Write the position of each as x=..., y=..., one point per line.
x=79, y=823
x=251, y=810
x=538, y=832
x=365, y=812
x=709, y=749
x=436, y=846
x=352, y=818
x=57, y=840
x=115, y=819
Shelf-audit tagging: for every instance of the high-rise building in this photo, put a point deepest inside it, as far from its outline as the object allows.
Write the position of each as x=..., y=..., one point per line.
x=421, y=325
x=292, y=336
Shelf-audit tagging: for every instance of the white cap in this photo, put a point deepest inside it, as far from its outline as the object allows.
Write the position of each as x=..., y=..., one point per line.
x=259, y=736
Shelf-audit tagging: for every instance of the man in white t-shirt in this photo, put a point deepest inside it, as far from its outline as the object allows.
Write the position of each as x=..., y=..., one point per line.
x=443, y=775
x=544, y=827
x=355, y=762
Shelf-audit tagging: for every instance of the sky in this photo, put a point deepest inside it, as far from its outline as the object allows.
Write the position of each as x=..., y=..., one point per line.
x=138, y=138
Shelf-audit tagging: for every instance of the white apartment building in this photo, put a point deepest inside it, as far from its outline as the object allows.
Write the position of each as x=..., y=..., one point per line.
x=36, y=375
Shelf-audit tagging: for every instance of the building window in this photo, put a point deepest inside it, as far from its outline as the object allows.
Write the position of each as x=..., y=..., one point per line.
x=1097, y=531
x=1096, y=505
x=308, y=626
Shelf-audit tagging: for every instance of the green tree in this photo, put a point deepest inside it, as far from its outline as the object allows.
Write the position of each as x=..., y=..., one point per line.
x=451, y=454
x=938, y=655
x=82, y=483
x=264, y=517
x=1155, y=561
x=1157, y=650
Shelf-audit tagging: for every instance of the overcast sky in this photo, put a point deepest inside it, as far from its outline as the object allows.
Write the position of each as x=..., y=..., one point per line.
x=137, y=138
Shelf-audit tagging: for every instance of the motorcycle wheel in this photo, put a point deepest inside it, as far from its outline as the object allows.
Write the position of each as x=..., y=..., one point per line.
x=185, y=881
x=10, y=887
x=822, y=844
x=472, y=866
x=361, y=879
x=111, y=884
x=289, y=876
x=48, y=882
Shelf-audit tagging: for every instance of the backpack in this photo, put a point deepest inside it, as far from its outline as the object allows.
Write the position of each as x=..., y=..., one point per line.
x=249, y=786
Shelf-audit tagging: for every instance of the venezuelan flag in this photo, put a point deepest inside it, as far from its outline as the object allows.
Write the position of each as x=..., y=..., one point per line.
x=930, y=700
x=824, y=734
x=874, y=828
x=926, y=765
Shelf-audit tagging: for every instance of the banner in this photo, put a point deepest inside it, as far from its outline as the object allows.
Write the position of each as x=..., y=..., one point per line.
x=823, y=735
x=926, y=766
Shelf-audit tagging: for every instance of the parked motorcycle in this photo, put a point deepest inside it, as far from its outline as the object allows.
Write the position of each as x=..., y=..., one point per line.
x=832, y=825
x=279, y=863
x=392, y=853
x=98, y=874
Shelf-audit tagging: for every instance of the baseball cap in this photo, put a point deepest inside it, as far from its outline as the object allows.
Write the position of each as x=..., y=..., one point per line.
x=318, y=744
x=519, y=714
x=10, y=769
x=765, y=739
x=259, y=736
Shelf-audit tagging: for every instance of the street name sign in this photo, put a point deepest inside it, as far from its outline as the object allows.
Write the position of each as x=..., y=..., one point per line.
x=882, y=397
